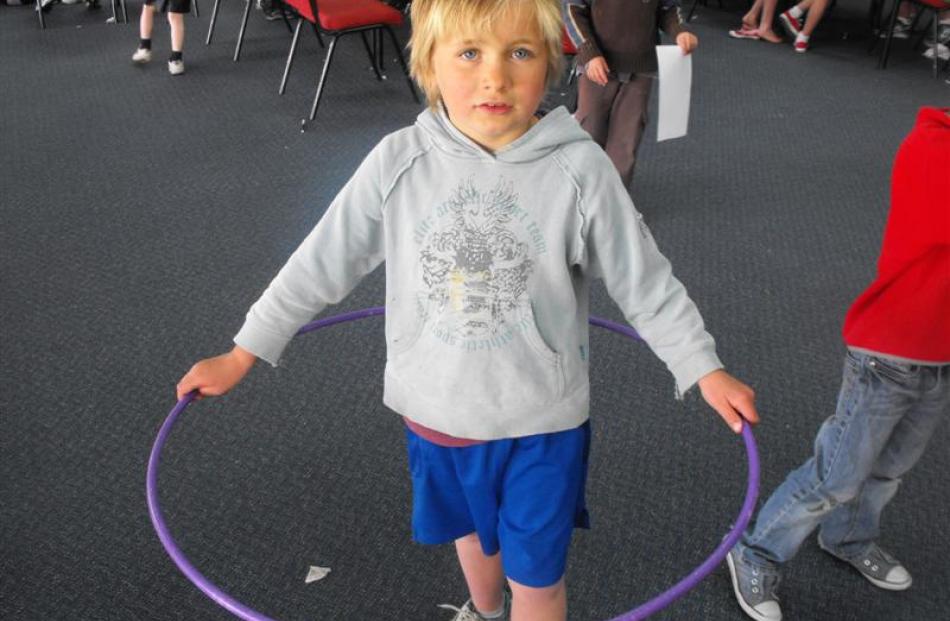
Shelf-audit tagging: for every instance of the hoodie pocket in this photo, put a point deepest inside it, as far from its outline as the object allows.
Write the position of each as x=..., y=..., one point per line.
x=405, y=321
x=448, y=360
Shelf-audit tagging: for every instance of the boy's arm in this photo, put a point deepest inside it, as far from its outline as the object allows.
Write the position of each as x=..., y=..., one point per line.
x=668, y=18
x=346, y=244
x=580, y=29
x=619, y=248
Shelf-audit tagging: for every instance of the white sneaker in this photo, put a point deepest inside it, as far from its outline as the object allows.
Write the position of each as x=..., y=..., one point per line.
x=943, y=52
x=176, y=67
x=142, y=56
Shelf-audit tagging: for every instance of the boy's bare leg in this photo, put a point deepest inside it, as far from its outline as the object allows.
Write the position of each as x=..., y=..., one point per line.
x=751, y=19
x=765, y=22
x=177, y=23
x=147, y=21
x=483, y=574
x=533, y=604
x=816, y=9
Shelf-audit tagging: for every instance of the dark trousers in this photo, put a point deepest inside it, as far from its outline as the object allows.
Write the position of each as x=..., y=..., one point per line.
x=615, y=116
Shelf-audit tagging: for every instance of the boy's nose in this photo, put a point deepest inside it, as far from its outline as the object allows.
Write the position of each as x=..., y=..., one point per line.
x=494, y=76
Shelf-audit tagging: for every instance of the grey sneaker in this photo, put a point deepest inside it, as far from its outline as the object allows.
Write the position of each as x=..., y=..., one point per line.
x=756, y=589
x=176, y=67
x=142, y=56
x=468, y=613
x=880, y=568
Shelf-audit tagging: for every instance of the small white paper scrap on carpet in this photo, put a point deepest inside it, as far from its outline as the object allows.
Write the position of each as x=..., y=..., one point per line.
x=676, y=77
x=316, y=573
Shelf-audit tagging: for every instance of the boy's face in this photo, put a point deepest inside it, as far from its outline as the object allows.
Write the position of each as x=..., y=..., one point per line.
x=492, y=82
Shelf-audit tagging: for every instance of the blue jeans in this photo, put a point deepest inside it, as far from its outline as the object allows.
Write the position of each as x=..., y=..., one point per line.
x=886, y=414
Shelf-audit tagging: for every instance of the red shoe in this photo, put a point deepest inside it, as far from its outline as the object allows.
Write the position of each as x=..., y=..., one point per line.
x=792, y=24
x=801, y=46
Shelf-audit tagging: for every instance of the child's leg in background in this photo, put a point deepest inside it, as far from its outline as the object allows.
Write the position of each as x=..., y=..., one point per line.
x=766, y=19
x=593, y=107
x=628, y=119
x=815, y=11
x=849, y=530
x=147, y=22
x=483, y=574
x=847, y=447
x=538, y=604
x=751, y=18
x=177, y=23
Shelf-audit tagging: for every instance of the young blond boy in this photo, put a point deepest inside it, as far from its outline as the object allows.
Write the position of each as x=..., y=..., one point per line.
x=492, y=222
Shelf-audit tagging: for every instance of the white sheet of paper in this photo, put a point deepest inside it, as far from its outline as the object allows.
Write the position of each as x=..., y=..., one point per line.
x=676, y=77
x=316, y=573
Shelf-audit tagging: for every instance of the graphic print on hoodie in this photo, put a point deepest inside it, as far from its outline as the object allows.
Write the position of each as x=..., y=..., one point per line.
x=477, y=256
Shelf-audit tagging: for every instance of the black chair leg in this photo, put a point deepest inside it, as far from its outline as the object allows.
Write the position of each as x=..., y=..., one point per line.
x=380, y=61
x=323, y=78
x=39, y=14
x=283, y=14
x=240, y=41
x=402, y=63
x=316, y=33
x=936, y=45
x=290, y=57
x=214, y=19
x=370, y=51
x=125, y=12
x=882, y=63
x=194, y=6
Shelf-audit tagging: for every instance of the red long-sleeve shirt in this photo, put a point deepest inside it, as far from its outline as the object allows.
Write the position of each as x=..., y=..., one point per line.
x=906, y=311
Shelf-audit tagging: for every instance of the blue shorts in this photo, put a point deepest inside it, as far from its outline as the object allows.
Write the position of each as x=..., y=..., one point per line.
x=523, y=496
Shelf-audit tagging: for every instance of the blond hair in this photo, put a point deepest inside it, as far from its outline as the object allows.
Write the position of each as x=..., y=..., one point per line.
x=433, y=20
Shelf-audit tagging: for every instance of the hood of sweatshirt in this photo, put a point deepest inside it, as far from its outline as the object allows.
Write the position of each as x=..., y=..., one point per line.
x=553, y=130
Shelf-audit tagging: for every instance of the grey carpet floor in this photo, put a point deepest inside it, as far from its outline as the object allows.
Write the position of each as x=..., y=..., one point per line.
x=142, y=214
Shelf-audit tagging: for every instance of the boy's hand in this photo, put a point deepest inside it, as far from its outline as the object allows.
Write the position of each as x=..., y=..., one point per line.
x=215, y=376
x=597, y=70
x=732, y=399
x=687, y=42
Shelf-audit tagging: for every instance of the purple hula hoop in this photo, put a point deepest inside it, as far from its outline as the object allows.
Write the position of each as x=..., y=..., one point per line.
x=224, y=600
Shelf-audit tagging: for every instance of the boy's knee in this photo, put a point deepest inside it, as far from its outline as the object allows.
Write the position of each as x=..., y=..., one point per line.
x=537, y=596
x=840, y=492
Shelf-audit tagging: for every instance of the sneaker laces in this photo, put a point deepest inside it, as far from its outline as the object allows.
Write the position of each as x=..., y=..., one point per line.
x=768, y=582
x=462, y=614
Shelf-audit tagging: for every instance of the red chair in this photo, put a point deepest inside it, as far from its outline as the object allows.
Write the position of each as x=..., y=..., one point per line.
x=337, y=18
x=924, y=5
x=567, y=45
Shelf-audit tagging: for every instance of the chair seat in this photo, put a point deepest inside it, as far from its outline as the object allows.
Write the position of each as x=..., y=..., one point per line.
x=940, y=5
x=336, y=15
x=567, y=45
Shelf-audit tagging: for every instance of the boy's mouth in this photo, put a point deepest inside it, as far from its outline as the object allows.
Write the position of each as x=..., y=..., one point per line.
x=495, y=108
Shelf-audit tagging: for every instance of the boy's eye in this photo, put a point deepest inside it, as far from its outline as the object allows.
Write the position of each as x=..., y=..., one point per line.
x=522, y=54
x=469, y=54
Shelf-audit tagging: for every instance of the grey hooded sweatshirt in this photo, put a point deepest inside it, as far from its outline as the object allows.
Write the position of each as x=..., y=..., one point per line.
x=489, y=259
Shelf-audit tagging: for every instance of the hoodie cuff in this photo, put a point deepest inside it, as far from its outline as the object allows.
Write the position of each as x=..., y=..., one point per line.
x=695, y=367
x=262, y=343
x=587, y=51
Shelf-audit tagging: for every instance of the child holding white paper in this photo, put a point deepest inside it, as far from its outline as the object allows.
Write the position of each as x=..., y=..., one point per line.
x=616, y=46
